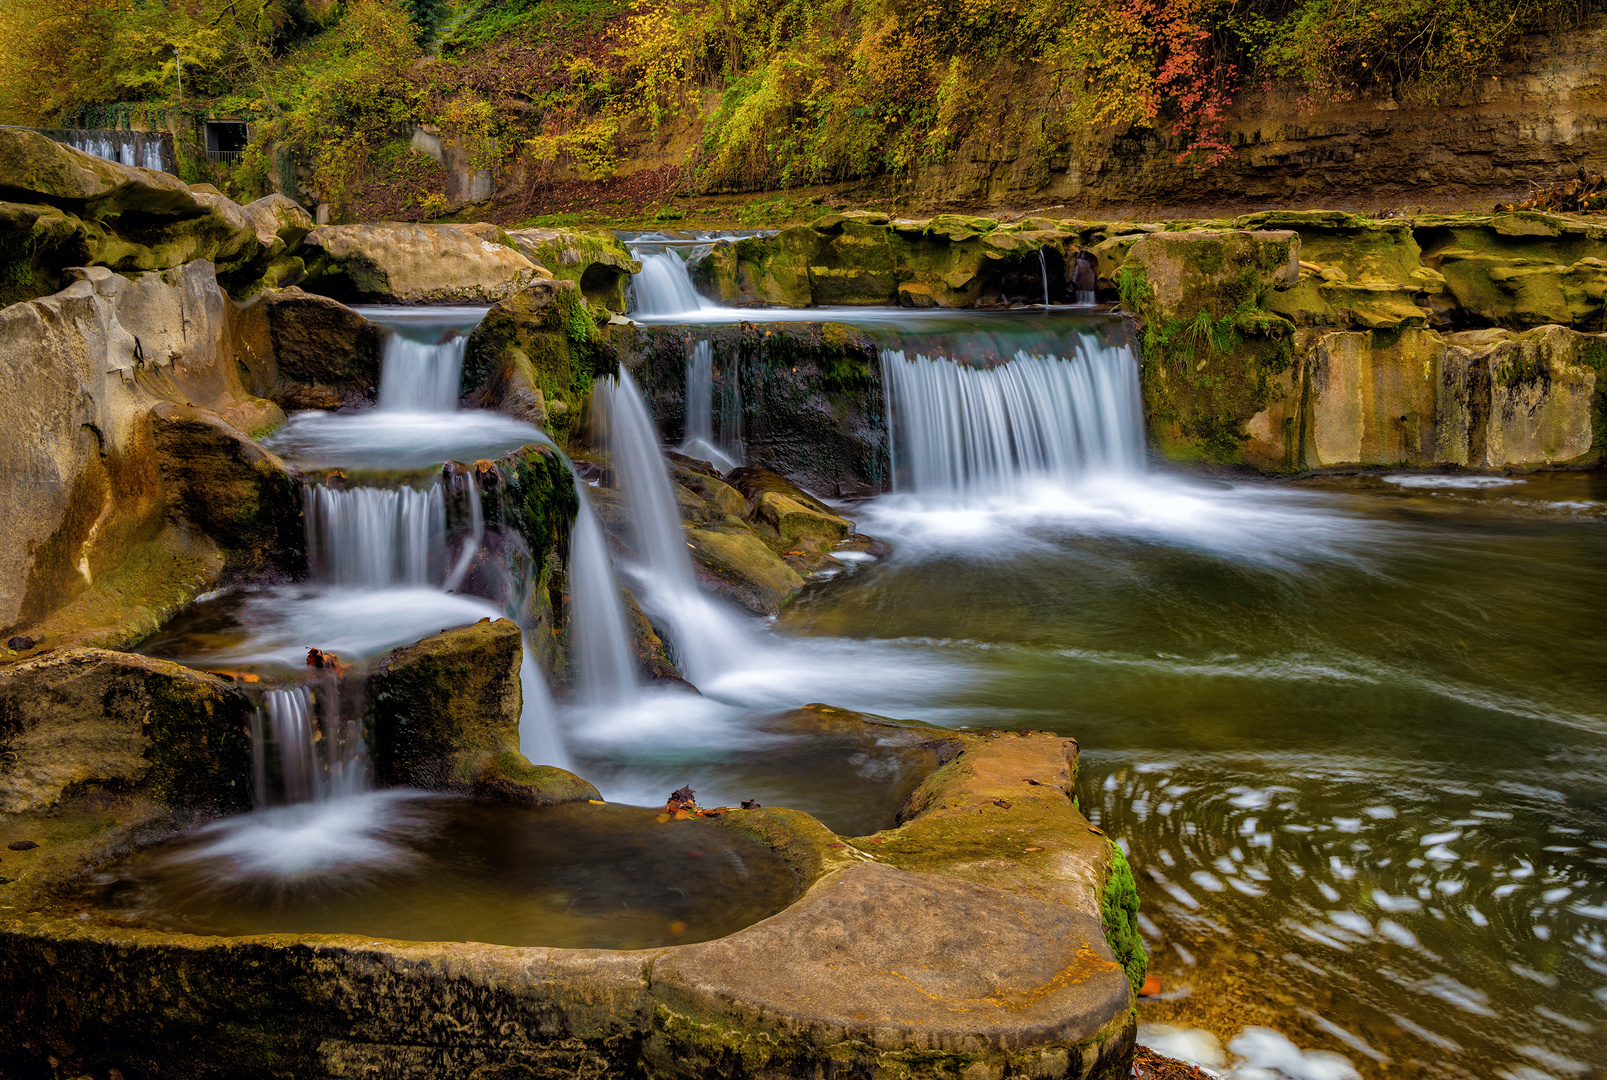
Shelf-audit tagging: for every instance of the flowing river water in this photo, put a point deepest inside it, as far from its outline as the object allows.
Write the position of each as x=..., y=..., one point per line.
x=1351, y=732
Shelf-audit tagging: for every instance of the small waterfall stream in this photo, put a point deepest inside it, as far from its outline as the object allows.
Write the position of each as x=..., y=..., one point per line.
x=663, y=287
x=968, y=431
x=724, y=453
x=605, y=665
x=421, y=376
x=302, y=749
x=376, y=538
x=706, y=640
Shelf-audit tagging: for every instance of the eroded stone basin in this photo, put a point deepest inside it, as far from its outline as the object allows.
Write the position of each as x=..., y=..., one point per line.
x=411, y=866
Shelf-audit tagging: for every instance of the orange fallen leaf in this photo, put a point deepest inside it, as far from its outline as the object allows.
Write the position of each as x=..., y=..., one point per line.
x=662, y=818
x=1034, y=849
x=677, y=928
x=1151, y=987
x=1001, y=803
x=836, y=845
x=1096, y=830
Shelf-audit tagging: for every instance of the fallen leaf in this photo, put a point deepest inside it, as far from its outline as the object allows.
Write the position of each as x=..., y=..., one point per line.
x=598, y=802
x=1001, y=802
x=22, y=845
x=1034, y=849
x=662, y=818
x=751, y=804
x=717, y=811
x=877, y=840
x=1096, y=830
x=1034, y=783
x=1151, y=987
x=694, y=854
x=677, y=928
x=836, y=845
x=682, y=815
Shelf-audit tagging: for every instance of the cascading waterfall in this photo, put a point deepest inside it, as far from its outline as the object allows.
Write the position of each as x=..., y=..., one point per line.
x=302, y=750
x=605, y=665
x=471, y=546
x=420, y=376
x=663, y=287
x=376, y=538
x=1043, y=270
x=700, y=391
x=706, y=640
x=969, y=431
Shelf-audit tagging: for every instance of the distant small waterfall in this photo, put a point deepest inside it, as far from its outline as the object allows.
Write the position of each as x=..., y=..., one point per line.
x=1043, y=271
x=142, y=149
x=302, y=750
x=706, y=640
x=376, y=538
x=420, y=376
x=701, y=442
x=663, y=287
x=969, y=430
x=605, y=665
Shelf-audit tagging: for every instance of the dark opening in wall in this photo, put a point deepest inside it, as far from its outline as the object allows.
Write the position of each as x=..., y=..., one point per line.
x=225, y=139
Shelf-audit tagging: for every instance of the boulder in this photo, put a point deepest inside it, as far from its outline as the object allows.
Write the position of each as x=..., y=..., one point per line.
x=74, y=717
x=737, y=563
x=798, y=523
x=281, y=223
x=446, y=718
x=407, y=263
x=534, y=356
x=595, y=261
x=220, y=480
x=306, y=351
x=1545, y=390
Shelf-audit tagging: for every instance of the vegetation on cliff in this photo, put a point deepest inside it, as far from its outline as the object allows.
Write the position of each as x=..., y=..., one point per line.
x=724, y=94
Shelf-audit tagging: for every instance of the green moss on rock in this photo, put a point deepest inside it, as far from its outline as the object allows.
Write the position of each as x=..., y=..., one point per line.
x=1118, y=910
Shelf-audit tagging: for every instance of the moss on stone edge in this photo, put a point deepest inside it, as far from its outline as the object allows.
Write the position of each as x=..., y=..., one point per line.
x=1118, y=910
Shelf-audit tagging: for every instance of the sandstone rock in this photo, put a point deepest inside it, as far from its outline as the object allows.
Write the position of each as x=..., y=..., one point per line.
x=1487, y=399
x=739, y=565
x=76, y=716
x=79, y=373
x=446, y=718
x=307, y=351
x=595, y=261
x=278, y=220
x=239, y=494
x=404, y=263
x=1519, y=270
x=797, y=522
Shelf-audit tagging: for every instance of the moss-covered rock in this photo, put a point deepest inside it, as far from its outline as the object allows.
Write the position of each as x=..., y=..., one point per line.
x=1520, y=270
x=1211, y=352
x=535, y=356
x=446, y=718
x=595, y=261
x=75, y=717
x=737, y=563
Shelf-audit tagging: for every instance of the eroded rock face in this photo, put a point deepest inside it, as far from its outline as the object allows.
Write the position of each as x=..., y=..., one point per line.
x=405, y=263
x=446, y=718
x=859, y=258
x=86, y=509
x=75, y=717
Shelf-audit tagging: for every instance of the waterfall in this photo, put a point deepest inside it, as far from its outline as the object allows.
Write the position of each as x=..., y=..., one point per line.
x=970, y=431
x=375, y=538
x=663, y=287
x=700, y=442
x=706, y=640
x=301, y=749
x=1043, y=269
x=471, y=547
x=605, y=665
x=420, y=376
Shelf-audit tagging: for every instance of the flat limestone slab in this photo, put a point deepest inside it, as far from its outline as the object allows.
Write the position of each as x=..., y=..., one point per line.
x=965, y=970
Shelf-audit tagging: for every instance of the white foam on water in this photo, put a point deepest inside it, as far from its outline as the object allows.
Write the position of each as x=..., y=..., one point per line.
x=1453, y=483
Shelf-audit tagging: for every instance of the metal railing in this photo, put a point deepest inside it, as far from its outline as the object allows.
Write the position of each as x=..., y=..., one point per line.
x=228, y=157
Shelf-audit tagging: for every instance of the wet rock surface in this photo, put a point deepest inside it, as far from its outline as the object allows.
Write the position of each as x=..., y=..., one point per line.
x=404, y=263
